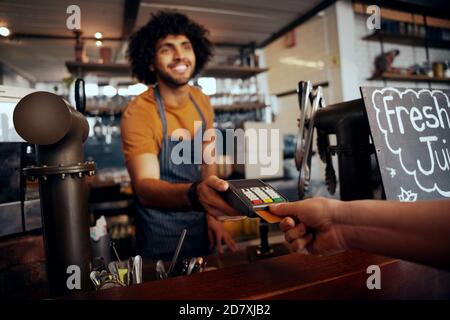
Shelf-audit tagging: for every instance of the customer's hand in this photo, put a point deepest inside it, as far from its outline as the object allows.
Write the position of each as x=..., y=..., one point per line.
x=311, y=224
x=208, y=194
x=218, y=234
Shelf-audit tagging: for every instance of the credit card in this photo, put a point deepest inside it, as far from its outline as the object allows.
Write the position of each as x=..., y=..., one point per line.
x=269, y=217
x=231, y=218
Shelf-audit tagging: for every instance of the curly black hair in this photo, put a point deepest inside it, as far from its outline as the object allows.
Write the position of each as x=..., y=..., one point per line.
x=142, y=46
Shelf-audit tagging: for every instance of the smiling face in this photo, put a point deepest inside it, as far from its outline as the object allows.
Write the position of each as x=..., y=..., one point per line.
x=174, y=61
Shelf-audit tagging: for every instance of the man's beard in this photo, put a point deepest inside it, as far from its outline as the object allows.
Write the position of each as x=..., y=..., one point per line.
x=168, y=79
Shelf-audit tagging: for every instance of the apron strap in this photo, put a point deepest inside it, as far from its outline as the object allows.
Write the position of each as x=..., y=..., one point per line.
x=199, y=112
x=162, y=113
x=163, y=153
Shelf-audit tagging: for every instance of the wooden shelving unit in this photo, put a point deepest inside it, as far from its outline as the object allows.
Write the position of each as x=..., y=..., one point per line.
x=408, y=17
x=400, y=77
x=407, y=40
x=122, y=69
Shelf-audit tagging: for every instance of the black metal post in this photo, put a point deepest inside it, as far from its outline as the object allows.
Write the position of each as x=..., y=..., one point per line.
x=59, y=131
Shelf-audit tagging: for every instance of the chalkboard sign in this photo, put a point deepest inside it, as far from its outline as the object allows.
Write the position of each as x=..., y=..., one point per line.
x=411, y=132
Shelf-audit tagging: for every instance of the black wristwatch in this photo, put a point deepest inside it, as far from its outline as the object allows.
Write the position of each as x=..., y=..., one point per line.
x=193, y=197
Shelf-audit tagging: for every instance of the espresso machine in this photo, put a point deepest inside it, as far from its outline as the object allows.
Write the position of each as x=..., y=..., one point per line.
x=19, y=199
x=358, y=174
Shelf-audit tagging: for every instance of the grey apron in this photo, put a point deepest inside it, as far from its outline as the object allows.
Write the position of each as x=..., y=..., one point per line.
x=157, y=232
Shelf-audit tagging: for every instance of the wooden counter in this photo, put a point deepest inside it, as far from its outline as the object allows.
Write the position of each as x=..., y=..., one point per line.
x=295, y=276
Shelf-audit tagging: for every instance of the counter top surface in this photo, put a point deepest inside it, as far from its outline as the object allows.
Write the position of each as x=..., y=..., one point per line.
x=294, y=276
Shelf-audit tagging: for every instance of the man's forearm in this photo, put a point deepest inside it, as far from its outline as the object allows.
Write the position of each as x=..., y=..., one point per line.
x=209, y=170
x=163, y=195
x=415, y=231
x=168, y=196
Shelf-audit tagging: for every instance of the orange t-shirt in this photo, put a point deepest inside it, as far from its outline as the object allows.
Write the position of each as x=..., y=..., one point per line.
x=141, y=126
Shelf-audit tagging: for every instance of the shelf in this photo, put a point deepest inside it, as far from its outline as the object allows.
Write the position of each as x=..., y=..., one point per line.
x=99, y=112
x=408, y=14
x=102, y=113
x=407, y=40
x=234, y=72
x=123, y=69
x=400, y=77
x=98, y=69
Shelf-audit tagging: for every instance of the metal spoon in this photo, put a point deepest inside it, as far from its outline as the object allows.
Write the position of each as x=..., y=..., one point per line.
x=161, y=270
x=177, y=252
x=130, y=270
x=112, y=267
x=137, y=269
x=198, y=264
x=104, y=276
x=113, y=245
x=191, y=265
x=94, y=275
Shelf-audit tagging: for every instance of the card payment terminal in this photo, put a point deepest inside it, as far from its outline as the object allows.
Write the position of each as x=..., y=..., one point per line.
x=252, y=197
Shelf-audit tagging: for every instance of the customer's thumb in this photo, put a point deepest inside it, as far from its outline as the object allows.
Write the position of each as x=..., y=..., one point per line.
x=286, y=209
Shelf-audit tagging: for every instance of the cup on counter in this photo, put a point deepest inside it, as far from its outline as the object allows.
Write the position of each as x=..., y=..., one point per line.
x=438, y=69
x=124, y=271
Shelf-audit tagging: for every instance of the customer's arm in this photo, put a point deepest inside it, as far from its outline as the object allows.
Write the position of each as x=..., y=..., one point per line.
x=418, y=231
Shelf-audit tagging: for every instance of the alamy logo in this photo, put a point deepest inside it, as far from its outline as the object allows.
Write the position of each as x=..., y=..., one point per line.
x=262, y=146
x=374, y=20
x=73, y=22
x=74, y=278
x=374, y=280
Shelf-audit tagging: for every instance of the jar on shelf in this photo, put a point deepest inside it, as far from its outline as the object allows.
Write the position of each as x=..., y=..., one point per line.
x=438, y=69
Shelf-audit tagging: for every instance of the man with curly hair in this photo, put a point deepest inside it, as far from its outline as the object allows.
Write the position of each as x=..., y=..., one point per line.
x=165, y=54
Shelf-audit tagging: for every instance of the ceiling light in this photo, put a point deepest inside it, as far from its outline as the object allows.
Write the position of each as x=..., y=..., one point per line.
x=98, y=43
x=98, y=35
x=4, y=31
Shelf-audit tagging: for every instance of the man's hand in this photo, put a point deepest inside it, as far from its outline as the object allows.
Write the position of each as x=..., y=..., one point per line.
x=311, y=224
x=217, y=233
x=208, y=195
